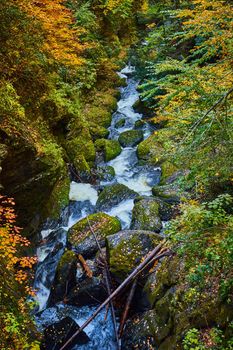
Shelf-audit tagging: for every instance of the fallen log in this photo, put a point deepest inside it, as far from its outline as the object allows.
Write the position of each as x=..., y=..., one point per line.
x=132, y=276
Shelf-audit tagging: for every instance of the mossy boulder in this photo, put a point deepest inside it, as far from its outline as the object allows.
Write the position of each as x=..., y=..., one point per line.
x=82, y=166
x=146, y=215
x=99, y=115
x=112, y=195
x=167, y=170
x=125, y=250
x=138, y=124
x=170, y=193
x=150, y=149
x=110, y=148
x=120, y=123
x=154, y=148
x=105, y=173
x=59, y=198
x=130, y=138
x=98, y=131
x=81, y=237
x=65, y=277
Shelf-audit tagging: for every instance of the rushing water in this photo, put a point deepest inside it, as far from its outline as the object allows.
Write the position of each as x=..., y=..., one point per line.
x=83, y=198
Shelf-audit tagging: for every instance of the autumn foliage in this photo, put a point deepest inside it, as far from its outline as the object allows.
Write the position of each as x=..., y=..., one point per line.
x=14, y=280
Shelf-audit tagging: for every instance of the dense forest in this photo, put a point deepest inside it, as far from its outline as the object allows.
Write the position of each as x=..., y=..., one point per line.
x=60, y=90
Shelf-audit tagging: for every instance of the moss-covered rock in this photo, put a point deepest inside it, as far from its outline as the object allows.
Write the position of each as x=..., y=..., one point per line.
x=146, y=215
x=59, y=198
x=98, y=131
x=126, y=249
x=150, y=149
x=138, y=124
x=65, y=277
x=120, y=123
x=99, y=115
x=130, y=138
x=171, y=193
x=112, y=195
x=81, y=166
x=167, y=170
x=110, y=148
x=81, y=236
x=105, y=173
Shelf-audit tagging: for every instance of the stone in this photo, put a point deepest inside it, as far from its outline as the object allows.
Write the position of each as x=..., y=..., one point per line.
x=169, y=193
x=81, y=237
x=56, y=335
x=146, y=215
x=105, y=173
x=120, y=123
x=130, y=138
x=65, y=277
x=125, y=250
x=91, y=291
x=112, y=195
x=110, y=148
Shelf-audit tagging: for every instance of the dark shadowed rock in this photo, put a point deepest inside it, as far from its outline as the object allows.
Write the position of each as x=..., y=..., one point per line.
x=91, y=291
x=57, y=334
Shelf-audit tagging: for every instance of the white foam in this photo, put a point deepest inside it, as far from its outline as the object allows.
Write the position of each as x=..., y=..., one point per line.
x=138, y=183
x=82, y=192
x=123, y=212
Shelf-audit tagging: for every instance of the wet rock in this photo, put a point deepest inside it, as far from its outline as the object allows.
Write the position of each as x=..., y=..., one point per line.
x=56, y=335
x=65, y=277
x=139, y=124
x=120, y=123
x=110, y=148
x=146, y=215
x=105, y=173
x=81, y=236
x=130, y=138
x=112, y=195
x=125, y=250
x=91, y=291
x=150, y=149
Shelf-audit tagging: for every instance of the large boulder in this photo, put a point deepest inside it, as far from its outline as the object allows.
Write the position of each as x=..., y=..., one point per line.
x=56, y=335
x=81, y=237
x=130, y=138
x=91, y=291
x=146, y=215
x=125, y=250
x=169, y=193
x=65, y=277
x=110, y=148
x=112, y=195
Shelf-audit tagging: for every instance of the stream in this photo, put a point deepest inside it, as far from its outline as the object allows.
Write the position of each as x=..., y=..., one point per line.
x=83, y=197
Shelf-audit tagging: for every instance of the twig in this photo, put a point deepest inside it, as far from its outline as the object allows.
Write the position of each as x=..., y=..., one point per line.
x=85, y=266
x=133, y=274
x=127, y=306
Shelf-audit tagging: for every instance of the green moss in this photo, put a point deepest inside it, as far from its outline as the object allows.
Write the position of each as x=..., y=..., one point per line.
x=124, y=257
x=167, y=168
x=120, y=123
x=146, y=216
x=99, y=116
x=101, y=223
x=81, y=165
x=69, y=257
x=111, y=148
x=97, y=131
x=130, y=138
x=59, y=198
